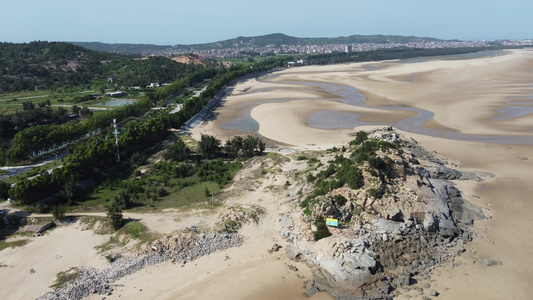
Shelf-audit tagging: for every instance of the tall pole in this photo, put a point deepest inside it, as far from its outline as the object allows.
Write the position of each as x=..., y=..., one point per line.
x=116, y=139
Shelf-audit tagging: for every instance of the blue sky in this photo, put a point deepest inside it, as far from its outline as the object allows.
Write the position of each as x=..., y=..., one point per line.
x=170, y=22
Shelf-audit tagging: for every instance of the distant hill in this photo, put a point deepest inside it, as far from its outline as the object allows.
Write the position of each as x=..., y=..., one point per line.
x=121, y=48
x=275, y=39
x=278, y=39
x=56, y=64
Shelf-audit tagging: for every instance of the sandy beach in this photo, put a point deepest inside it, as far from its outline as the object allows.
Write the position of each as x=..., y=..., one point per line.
x=461, y=108
x=473, y=102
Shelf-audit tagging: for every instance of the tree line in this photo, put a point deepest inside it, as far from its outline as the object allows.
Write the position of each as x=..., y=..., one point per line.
x=387, y=54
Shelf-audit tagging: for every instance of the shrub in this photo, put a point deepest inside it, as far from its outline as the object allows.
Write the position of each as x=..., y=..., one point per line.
x=322, y=230
x=59, y=211
x=340, y=200
x=360, y=137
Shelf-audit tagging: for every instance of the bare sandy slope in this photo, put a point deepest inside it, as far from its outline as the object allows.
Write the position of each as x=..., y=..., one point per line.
x=245, y=272
x=466, y=96
x=28, y=271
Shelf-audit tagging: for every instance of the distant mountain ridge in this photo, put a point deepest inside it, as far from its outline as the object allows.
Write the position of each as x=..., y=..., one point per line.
x=275, y=39
x=121, y=48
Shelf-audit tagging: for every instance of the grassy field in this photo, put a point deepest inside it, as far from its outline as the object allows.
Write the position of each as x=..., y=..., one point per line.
x=11, y=102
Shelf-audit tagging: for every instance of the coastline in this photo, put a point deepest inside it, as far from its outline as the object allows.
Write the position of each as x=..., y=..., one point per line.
x=465, y=96
x=484, y=86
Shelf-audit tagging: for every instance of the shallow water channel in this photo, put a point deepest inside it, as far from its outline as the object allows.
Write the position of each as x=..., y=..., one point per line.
x=326, y=119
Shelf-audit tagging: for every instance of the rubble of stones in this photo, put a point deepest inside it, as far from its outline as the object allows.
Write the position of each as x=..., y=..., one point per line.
x=384, y=244
x=180, y=248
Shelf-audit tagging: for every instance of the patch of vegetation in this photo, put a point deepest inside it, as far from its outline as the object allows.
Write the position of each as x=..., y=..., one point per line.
x=137, y=231
x=59, y=211
x=339, y=200
x=368, y=149
x=313, y=160
x=360, y=137
x=19, y=243
x=64, y=277
x=114, y=211
x=345, y=171
x=322, y=230
x=110, y=244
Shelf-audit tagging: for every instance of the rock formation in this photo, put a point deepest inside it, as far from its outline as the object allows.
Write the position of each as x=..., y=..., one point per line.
x=392, y=228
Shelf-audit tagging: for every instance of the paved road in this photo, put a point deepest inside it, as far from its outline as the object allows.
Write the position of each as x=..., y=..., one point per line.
x=204, y=113
x=14, y=170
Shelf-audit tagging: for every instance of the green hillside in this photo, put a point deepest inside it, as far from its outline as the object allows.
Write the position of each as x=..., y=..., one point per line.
x=51, y=65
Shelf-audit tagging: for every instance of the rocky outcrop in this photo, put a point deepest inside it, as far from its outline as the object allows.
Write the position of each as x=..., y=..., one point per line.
x=393, y=228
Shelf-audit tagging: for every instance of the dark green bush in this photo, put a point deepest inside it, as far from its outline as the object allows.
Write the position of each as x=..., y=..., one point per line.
x=322, y=230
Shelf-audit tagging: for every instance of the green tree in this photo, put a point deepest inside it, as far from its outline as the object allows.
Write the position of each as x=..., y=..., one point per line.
x=28, y=105
x=85, y=112
x=114, y=213
x=59, y=211
x=75, y=109
x=251, y=146
x=4, y=190
x=177, y=151
x=233, y=147
x=209, y=146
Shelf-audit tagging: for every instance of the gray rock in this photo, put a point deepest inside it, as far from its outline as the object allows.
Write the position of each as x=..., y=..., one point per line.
x=490, y=262
x=429, y=223
x=447, y=228
x=433, y=293
x=311, y=291
x=286, y=221
x=388, y=226
x=403, y=279
x=292, y=252
x=465, y=212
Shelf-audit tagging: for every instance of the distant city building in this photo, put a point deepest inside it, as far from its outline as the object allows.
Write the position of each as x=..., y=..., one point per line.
x=348, y=48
